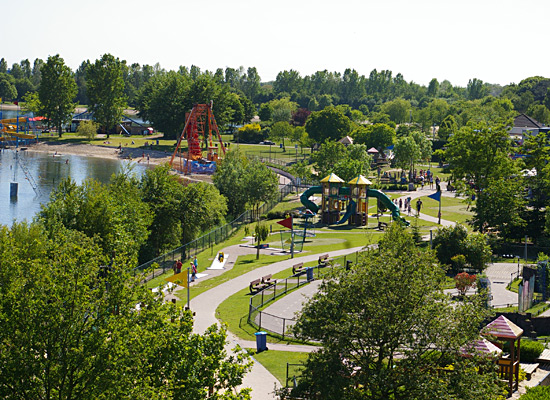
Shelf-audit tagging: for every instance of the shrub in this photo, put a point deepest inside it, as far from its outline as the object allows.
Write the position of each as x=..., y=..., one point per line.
x=530, y=350
x=87, y=129
x=250, y=133
x=464, y=281
x=276, y=214
x=537, y=393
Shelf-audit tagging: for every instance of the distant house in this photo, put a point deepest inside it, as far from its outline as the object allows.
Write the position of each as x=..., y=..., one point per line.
x=346, y=140
x=525, y=125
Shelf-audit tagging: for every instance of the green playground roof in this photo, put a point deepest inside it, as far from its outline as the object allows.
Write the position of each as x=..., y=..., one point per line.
x=332, y=178
x=360, y=180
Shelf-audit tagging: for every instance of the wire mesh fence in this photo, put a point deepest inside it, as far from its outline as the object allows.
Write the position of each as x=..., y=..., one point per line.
x=214, y=237
x=263, y=320
x=293, y=374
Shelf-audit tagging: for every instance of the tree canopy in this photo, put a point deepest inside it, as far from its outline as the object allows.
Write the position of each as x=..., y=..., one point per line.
x=328, y=124
x=387, y=331
x=105, y=91
x=77, y=325
x=57, y=92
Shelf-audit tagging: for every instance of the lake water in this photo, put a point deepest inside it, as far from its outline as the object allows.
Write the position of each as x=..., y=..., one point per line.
x=47, y=171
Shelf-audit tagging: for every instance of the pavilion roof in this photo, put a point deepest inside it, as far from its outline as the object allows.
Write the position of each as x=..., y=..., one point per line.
x=482, y=347
x=503, y=328
x=332, y=178
x=360, y=180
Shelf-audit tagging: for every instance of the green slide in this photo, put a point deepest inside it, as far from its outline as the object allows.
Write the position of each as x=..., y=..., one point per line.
x=304, y=198
x=385, y=200
x=390, y=205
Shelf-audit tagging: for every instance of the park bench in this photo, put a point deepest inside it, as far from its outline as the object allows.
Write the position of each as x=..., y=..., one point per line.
x=529, y=369
x=298, y=268
x=323, y=260
x=256, y=285
x=268, y=281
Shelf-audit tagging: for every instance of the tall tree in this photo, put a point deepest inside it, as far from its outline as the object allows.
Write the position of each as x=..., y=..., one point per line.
x=7, y=87
x=229, y=179
x=378, y=135
x=260, y=185
x=84, y=328
x=281, y=130
x=479, y=153
x=161, y=102
x=105, y=90
x=393, y=335
x=57, y=92
x=328, y=124
x=398, y=110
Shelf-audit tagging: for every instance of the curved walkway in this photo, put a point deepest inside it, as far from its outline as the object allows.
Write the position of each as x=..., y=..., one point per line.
x=259, y=378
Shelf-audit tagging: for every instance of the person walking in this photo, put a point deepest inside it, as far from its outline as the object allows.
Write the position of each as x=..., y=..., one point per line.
x=418, y=206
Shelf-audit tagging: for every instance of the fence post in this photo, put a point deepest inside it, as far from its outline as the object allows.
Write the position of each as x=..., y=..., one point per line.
x=286, y=285
x=284, y=325
x=286, y=382
x=260, y=324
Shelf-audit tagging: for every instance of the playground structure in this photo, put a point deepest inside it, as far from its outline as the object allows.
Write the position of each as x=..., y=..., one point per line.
x=353, y=198
x=199, y=126
x=14, y=130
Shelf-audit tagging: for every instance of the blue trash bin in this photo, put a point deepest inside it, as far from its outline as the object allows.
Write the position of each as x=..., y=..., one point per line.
x=309, y=273
x=261, y=341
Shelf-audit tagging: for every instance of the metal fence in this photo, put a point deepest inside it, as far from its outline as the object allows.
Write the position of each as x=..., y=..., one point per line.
x=293, y=373
x=280, y=325
x=216, y=236
x=282, y=160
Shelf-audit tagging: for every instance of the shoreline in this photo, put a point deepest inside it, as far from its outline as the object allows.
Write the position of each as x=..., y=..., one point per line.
x=138, y=155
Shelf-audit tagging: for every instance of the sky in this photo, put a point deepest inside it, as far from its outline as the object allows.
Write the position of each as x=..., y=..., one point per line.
x=498, y=42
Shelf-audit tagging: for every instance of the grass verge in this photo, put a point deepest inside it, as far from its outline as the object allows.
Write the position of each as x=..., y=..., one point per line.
x=276, y=362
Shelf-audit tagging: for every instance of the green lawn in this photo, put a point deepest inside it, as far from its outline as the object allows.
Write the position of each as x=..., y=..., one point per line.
x=291, y=153
x=452, y=209
x=276, y=362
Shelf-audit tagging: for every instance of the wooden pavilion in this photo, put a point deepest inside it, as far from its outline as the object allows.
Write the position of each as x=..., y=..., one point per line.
x=503, y=330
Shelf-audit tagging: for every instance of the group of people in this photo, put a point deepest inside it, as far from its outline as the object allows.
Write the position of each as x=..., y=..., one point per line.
x=407, y=206
x=192, y=266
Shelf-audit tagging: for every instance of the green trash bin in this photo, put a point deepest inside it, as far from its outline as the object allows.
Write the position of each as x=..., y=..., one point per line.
x=261, y=341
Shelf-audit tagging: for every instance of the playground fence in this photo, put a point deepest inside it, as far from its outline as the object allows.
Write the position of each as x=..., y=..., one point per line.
x=280, y=325
x=218, y=235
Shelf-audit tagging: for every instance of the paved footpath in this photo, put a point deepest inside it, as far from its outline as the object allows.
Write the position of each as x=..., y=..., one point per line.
x=500, y=275
x=259, y=379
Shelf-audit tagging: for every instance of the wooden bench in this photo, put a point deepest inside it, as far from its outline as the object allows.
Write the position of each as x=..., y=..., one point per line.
x=256, y=285
x=323, y=260
x=298, y=268
x=268, y=281
x=529, y=369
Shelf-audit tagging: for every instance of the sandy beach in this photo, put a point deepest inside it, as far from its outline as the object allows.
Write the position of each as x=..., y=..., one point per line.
x=88, y=150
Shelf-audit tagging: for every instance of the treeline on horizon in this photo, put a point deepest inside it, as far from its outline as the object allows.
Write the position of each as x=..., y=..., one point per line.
x=238, y=94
